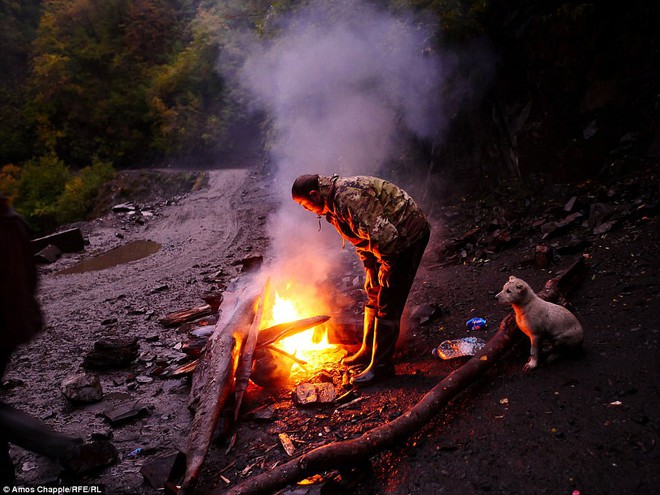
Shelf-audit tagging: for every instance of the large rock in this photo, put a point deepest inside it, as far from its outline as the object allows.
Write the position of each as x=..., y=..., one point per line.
x=82, y=388
x=112, y=353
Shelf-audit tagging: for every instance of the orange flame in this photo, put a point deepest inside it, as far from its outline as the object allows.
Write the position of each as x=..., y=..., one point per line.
x=290, y=305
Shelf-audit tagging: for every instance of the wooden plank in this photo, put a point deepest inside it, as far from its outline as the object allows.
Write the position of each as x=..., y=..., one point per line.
x=212, y=382
x=245, y=364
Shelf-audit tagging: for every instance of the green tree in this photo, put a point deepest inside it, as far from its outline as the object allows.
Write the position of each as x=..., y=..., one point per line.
x=18, y=23
x=90, y=71
x=187, y=98
x=77, y=199
x=42, y=182
x=10, y=176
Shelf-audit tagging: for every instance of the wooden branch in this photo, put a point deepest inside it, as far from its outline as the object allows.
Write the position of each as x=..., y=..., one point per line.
x=293, y=358
x=179, y=317
x=284, y=330
x=340, y=454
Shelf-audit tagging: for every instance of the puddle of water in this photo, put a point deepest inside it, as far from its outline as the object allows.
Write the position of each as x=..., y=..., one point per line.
x=123, y=254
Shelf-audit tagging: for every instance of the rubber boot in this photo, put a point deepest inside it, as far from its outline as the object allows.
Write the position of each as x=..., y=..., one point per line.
x=386, y=333
x=363, y=356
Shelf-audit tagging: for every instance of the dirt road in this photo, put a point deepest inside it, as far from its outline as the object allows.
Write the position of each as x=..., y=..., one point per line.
x=199, y=235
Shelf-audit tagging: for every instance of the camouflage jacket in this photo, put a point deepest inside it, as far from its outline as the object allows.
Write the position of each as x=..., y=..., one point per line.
x=376, y=216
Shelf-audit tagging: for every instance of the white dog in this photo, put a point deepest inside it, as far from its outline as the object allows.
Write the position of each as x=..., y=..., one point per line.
x=542, y=321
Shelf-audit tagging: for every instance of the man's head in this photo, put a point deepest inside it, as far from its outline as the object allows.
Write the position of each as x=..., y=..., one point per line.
x=306, y=192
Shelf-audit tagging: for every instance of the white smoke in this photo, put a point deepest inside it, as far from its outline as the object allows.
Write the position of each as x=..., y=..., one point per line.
x=341, y=81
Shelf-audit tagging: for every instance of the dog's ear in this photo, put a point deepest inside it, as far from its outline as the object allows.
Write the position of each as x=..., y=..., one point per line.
x=520, y=286
x=512, y=278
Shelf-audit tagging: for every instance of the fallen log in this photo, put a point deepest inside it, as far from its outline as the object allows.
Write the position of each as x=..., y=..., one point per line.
x=345, y=453
x=212, y=382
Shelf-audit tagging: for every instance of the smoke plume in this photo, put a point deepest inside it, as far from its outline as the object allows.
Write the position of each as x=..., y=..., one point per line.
x=341, y=82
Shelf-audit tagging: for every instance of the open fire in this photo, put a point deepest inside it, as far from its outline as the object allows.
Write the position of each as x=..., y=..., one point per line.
x=291, y=303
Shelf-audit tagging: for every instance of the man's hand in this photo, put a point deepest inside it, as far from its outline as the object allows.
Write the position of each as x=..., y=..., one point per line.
x=384, y=277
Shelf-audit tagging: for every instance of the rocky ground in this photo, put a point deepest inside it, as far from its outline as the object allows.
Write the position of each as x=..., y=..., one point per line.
x=587, y=425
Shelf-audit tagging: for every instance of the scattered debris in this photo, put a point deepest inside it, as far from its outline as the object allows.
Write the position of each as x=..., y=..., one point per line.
x=287, y=444
x=185, y=315
x=90, y=456
x=425, y=313
x=112, y=353
x=67, y=241
x=264, y=413
x=49, y=254
x=568, y=207
x=307, y=394
x=82, y=388
x=125, y=412
x=164, y=470
x=542, y=256
x=551, y=229
x=124, y=208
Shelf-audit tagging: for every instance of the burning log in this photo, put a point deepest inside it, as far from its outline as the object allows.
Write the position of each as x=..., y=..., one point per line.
x=265, y=338
x=212, y=382
x=272, y=367
x=340, y=454
x=283, y=330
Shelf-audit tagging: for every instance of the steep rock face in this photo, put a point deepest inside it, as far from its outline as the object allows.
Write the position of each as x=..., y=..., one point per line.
x=575, y=91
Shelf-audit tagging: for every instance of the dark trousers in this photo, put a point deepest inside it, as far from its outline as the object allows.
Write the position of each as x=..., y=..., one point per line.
x=391, y=300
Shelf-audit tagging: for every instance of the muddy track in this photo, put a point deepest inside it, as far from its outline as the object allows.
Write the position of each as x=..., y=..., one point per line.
x=201, y=234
